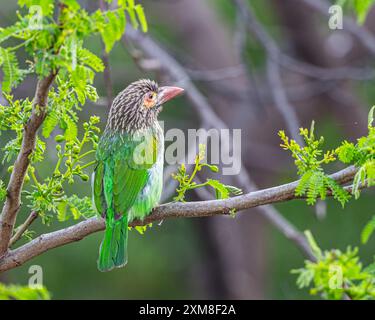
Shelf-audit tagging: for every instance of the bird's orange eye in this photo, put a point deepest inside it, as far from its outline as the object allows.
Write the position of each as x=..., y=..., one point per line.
x=150, y=99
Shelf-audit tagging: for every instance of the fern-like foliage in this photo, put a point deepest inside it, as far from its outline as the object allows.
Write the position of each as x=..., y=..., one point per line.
x=13, y=75
x=336, y=274
x=368, y=230
x=75, y=207
x=58, y=45
x=314, y=183
x=14, y=292
x=362, y=155
x=3, y=191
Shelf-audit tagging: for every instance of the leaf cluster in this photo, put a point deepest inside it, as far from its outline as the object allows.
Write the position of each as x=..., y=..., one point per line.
x=314, y=183
x=336, y=274
x=186, y=181
x=48, y=195
x=57, y=45
x=15, y=292
x=362, y=155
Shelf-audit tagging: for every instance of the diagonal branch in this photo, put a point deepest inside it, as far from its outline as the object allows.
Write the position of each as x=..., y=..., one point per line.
x=13, y=200
x=196, y=209
x=23, y=227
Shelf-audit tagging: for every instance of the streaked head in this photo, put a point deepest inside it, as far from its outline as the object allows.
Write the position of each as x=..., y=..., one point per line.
x=138, y=106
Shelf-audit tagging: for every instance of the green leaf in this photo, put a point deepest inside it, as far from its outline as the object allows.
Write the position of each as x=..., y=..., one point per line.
x=220, y=189
x=313, y=245
x=113, y=29
x=141, y=229
x=11, y=31
x=46, y=5
x=347, y=152
x=71, y=129
x=50, y=123
x=141, y=17
x=3, y=191
x=75, y=207
x=72, y=4
x=12, y=74
x=61, y=211
x=234, y=190
x=371, y=116
x=368, y=230
x=304, y=183
x=362, y=8
x=13, y=292
x=370, y=269
x=338, y=192
x=132, y=14
x=90, y=59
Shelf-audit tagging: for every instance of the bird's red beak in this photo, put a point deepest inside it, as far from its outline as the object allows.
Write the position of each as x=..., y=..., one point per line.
x=168, y=93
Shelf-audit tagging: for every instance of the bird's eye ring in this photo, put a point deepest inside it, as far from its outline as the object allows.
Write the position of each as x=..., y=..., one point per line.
x=150, y=100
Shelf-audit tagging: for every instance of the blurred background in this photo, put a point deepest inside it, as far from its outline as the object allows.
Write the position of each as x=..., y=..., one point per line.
x=273, y=65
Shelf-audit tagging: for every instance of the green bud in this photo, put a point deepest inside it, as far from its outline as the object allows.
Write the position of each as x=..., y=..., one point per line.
x=94, y=119
x=59, y=138
x=57, y=174
x=76, y=149
x=213, y=168
x=84, y=177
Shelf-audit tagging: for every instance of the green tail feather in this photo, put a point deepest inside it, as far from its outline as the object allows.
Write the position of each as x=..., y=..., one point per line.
x=113, y=250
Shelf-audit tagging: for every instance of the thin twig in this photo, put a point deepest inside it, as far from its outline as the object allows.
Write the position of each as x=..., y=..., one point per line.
x=23, y=227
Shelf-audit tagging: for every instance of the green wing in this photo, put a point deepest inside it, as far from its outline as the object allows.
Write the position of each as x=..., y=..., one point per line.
x=127, y=184
x=120, y=174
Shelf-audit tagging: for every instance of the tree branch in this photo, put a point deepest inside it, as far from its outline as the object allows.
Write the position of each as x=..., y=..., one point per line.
x=196, y=209
x=23, y=227
x=13, y=200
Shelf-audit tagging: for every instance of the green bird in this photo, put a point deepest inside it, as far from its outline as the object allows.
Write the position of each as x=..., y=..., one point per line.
x=128, y=178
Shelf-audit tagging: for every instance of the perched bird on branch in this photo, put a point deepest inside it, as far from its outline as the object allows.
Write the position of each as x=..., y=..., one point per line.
x=128, y=177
